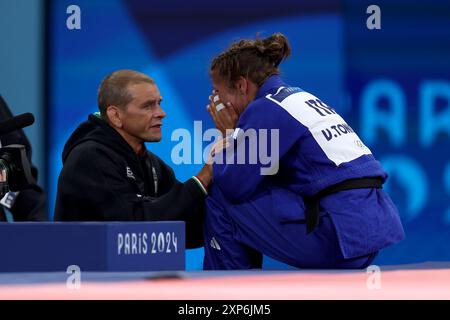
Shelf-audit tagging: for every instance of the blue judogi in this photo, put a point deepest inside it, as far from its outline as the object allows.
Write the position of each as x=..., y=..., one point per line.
x=250, y=211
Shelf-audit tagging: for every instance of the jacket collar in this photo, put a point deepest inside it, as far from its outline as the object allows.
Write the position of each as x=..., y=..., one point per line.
x=272, y=82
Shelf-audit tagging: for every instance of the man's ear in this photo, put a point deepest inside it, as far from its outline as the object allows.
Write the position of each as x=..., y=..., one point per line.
x=114, y=116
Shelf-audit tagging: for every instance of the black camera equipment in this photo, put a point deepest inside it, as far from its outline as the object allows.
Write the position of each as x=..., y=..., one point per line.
x=15, y=169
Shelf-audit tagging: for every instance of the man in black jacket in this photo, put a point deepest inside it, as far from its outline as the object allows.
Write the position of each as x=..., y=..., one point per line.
x=109, y=175
x=28, y=204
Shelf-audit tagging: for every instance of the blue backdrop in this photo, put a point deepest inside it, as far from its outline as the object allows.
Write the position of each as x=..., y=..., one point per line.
x=399, y=84
x=392, y=85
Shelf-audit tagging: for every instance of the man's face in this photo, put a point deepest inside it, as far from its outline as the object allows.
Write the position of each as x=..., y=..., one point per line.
x=143, y=116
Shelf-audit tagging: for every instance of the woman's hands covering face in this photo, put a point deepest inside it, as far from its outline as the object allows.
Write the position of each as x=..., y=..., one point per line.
x=224, y=115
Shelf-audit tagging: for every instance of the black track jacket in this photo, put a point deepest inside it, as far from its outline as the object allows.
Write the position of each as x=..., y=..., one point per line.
x=103, y=179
